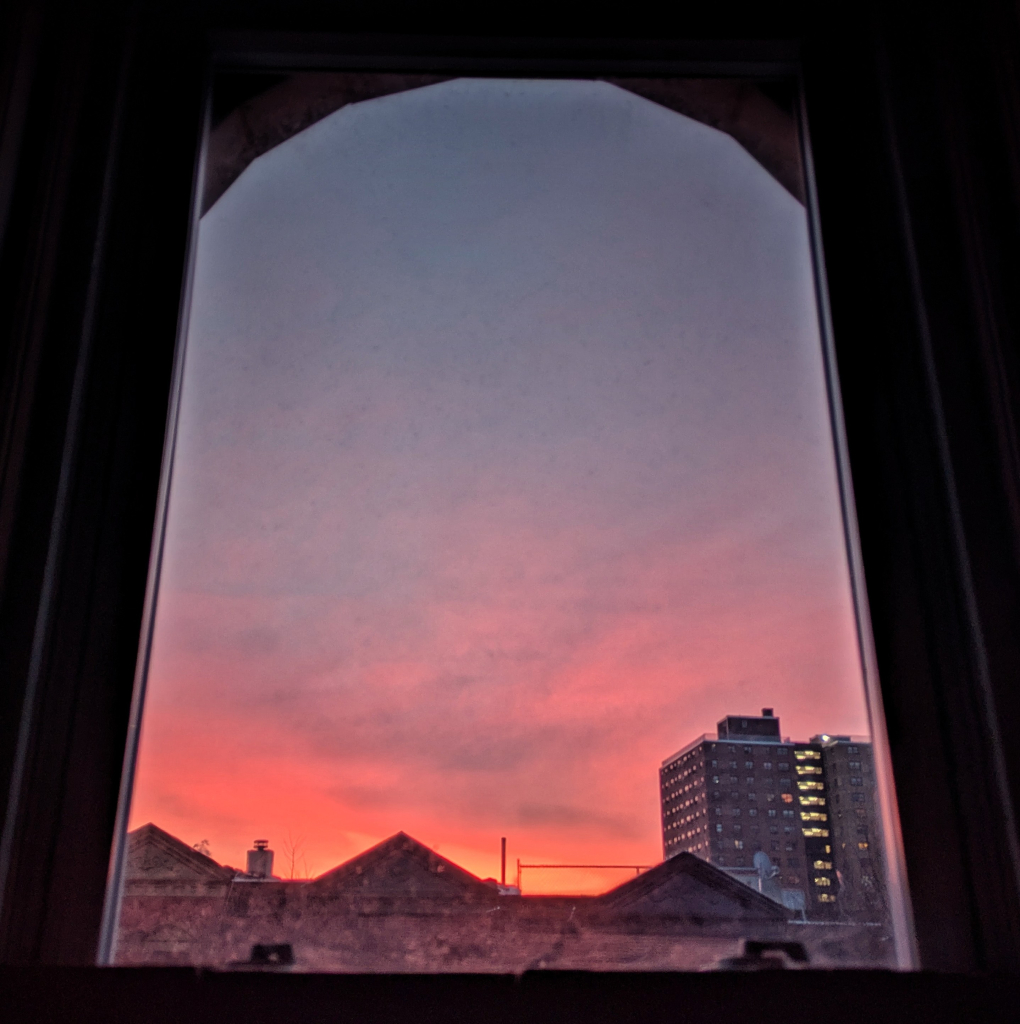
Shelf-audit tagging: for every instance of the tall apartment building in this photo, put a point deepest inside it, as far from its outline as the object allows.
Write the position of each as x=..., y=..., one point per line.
x=747, y=789
x=855, y=826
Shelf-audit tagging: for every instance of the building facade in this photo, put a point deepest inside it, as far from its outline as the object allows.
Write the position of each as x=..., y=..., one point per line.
x=748, y=792
x=856, y=827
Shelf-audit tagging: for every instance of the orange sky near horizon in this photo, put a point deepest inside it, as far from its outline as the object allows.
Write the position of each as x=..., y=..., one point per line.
x=627, y=705
x=503, y=472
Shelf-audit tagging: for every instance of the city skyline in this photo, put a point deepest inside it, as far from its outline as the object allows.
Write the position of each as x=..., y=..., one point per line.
x=503, y=459
x=291, y=847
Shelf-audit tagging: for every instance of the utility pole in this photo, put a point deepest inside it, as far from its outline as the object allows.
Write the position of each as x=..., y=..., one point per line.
x=502, y=862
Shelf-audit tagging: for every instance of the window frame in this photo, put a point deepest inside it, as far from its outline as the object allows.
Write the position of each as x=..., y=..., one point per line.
x=916, y=167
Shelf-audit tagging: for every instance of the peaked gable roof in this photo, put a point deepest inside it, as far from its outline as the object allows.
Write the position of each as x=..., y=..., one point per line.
x=685, y=886
x=402, y=866
x=155, y=855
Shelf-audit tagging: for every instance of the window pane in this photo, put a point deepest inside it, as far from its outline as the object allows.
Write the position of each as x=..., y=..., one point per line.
x=503, y=468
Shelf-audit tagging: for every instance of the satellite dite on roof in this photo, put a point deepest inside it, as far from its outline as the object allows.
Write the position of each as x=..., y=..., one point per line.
x=768, y=876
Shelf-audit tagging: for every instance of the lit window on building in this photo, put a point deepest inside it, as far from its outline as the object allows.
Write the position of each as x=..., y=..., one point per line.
x=787, y=798
x=816, y=833
x=826, y=897
x=822, y=865
x=821, y=880
x=862, y=846
x=807, y=755
x=813, y=816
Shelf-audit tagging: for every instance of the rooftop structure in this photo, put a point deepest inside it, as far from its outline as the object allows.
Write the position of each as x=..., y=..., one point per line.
x=754, y=729
x=761, y=808
x=400, y=906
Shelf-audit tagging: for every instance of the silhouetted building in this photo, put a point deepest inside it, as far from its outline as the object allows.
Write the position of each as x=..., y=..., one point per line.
x=748, y=790
x=400, y=906
x=158, y=864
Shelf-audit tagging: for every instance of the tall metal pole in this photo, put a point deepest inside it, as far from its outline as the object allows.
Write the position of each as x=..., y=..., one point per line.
x=502, y=862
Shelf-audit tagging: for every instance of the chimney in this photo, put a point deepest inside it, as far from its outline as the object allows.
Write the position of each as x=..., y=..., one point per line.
x=767, y=713
x=260, y=860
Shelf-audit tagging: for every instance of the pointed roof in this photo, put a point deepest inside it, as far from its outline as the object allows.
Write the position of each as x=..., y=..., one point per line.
x=688, y=887
x=155, y=855
x=402, y=866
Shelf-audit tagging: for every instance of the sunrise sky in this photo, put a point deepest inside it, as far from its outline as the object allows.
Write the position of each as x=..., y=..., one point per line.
x=503, y=472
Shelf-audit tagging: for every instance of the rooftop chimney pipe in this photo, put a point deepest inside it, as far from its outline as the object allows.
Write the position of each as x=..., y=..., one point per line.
x=260, y=860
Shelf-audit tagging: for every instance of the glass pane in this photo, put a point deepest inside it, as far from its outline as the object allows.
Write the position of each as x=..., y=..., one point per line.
x=504, y=616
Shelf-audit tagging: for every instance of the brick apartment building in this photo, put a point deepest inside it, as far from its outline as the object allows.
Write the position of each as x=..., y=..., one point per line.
x=856, y=827
x=810, y=808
